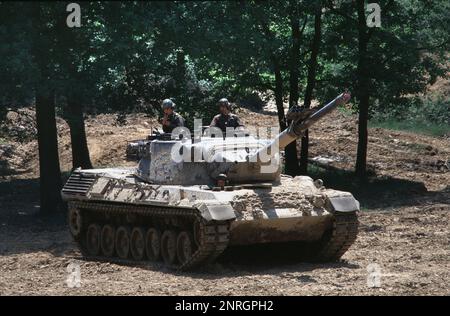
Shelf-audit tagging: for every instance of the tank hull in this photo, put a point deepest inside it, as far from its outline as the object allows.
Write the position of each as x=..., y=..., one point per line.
x=195, y=224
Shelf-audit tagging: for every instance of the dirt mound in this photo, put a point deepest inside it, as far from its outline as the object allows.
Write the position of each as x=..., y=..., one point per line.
x=19, y=125
x=107, y=136
x=396, y=154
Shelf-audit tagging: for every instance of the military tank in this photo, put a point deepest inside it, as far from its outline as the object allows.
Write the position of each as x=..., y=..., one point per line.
x=185, y=212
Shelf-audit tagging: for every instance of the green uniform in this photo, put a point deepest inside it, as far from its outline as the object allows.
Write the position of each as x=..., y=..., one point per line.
x=175, y=120
x=223, y=121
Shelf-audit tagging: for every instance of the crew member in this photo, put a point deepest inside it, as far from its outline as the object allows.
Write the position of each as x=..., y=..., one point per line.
x=171, y=119
x=226, y=118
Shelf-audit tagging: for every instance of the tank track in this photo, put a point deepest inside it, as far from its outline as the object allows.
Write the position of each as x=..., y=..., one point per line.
x=339, y=239
x=213, y=235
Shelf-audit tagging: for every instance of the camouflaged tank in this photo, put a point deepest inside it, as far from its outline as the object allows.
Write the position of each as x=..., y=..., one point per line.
x=187, y=211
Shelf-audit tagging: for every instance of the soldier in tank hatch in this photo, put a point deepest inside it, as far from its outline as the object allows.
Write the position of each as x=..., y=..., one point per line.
x=226, y=118
x=171, y=119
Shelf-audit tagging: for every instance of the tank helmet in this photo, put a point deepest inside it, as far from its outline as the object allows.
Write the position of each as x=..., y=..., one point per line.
x=168, y=104
x=224, y=101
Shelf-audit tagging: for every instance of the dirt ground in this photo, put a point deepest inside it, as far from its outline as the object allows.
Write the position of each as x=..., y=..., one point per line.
x=404, y=223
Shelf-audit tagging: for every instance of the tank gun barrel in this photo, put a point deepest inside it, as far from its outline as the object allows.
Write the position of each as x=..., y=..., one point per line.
x=299, y=124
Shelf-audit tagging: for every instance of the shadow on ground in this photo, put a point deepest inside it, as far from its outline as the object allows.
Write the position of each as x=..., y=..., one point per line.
x=18, y=197
x=22, y=228
x=6, y=170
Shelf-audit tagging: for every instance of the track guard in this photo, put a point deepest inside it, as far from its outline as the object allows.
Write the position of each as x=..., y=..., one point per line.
x=216, y=211
x=344, y=203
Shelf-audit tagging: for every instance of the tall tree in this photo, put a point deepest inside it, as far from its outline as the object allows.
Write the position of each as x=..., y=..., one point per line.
x=382, y=65
x=266, y=52
x=311, y=82
x=72, y=56
x=292, y=163
x=363, y=89
x=49, y=169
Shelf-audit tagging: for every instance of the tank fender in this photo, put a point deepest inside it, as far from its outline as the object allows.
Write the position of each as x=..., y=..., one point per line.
x=344, y=203
x=216, y=211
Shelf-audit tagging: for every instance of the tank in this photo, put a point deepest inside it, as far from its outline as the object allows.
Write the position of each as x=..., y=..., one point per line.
x=191, y=198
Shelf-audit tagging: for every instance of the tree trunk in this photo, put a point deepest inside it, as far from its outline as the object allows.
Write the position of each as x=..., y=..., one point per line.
x=291, y=165
x=311, y=82
x=180, y=73
x=75, y=83
x=363, y=91
x=279, y=93
x=49, y=170
x=181, y=63
x=361, y=155
x=290, y=152
x=295, y=55
x=80, y=150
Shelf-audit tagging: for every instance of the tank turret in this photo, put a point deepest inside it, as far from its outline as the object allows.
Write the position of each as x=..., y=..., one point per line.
x=242, y=158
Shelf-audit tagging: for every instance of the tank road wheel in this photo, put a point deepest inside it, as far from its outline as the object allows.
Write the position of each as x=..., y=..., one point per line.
x=123, y=242
x=93, y=240
x=137, y=243
x=169, y=247
x=74, y=218
x=185, y=248
x=197, y=233
x=107, y=240
x=153, y=244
